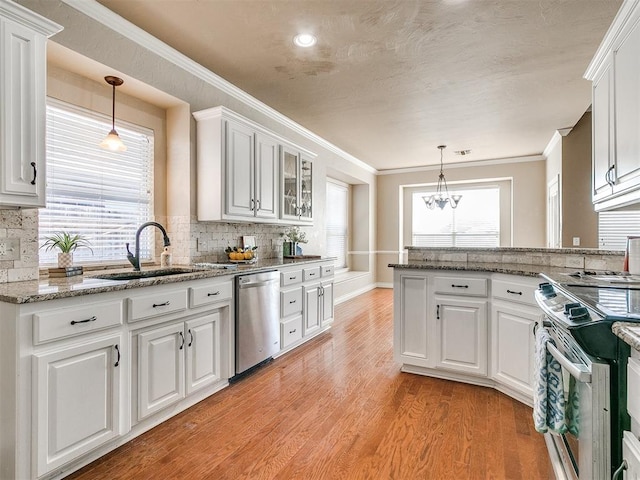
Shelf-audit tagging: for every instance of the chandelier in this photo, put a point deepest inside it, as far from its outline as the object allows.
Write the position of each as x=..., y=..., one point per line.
x=441, y=197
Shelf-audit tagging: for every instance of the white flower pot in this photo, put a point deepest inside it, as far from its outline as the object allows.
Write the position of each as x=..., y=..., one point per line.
x=65, y=260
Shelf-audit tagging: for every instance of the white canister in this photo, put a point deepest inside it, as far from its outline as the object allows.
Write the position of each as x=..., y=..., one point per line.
x=634, y=255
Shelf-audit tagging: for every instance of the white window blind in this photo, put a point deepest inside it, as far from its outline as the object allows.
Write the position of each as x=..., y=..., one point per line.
x=100, y=194
x=474, y=223
x=337, y=223
x=615, y=226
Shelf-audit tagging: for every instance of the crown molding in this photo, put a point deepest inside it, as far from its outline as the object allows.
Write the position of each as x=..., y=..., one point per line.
x=478, y=163
x=115, y=22
x=24, y=16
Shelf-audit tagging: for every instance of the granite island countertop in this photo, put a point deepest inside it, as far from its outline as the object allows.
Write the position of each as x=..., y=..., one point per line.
x=629, y=332
x=87, y=284
x=522, y=269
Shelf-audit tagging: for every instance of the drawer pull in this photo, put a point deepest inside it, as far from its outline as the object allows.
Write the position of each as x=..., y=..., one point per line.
x=92, y=319
x=514, y=292
x=312, y=274
x=291, y=302
x=213, y=294
x=117, y=350
x=35, y=173
x=292, y=331
x=181, y=338
x=459, y=286
x=437, y=312
x=161, y=304
x=292, y=278
x=190, y=337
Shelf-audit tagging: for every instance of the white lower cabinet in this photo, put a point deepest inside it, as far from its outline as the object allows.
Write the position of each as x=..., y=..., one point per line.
x=466, y=326
x=306, y=302
x=77, y=400
x=512, y=345
x=177, y=360
x=462, y=334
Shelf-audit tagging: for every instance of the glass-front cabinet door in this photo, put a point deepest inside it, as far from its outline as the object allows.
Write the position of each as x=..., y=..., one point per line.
x=297, y=186
x=306, y=189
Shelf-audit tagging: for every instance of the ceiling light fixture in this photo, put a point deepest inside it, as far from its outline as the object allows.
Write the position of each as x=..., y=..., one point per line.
x=441, y=197
x=305, y=40
x=112, y=141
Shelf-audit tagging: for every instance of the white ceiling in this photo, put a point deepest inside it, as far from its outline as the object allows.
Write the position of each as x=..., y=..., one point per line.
x=389, y=80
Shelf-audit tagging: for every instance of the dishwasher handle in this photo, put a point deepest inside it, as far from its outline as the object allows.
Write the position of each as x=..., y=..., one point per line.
x=253, y=284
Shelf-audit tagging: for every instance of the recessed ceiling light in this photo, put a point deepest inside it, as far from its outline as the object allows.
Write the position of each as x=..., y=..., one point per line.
x=304, y=40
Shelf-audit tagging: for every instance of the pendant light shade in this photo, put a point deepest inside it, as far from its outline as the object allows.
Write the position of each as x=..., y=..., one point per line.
x=441, y=197
x=112, y=141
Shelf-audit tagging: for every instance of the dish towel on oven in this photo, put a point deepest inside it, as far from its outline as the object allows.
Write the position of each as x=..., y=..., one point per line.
x=548, y=391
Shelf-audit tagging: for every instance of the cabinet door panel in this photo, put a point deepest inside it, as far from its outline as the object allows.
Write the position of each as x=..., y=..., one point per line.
x=77, y=399
x=512, y=346
x=627, y=106
x=411, y=303
x=290, y=187
x=602, y=123
x=240, y=173
x=327, y=303
x=160, y=369
x=266, y=177
x=23, y=119
x=311, y=310
x=203, y=351
x=462, y=330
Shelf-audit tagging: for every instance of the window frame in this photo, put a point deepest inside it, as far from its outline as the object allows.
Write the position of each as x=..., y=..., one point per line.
x=122, y=125
x=347, y=187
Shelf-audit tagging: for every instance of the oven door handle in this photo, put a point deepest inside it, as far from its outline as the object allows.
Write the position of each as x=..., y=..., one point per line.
x=579, y=372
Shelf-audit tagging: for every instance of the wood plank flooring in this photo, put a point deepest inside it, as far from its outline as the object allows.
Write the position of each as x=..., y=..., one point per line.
x=339, y=408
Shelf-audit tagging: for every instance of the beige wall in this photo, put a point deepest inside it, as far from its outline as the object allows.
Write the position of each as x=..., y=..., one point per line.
x=528, y=203
x=579, y=218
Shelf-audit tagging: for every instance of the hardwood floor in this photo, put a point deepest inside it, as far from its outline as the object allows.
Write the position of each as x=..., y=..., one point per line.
x=339, y=408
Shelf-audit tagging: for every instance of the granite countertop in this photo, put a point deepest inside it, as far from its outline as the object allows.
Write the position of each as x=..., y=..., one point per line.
x=522, y=269
x=629, y=332
x=564, y=251
x=54, y=288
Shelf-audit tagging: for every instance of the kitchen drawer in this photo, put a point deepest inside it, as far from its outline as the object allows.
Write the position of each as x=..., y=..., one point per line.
x=204, y=295
x=474, y=287
x=310, y=273
x=327, y=270
x=290, y=332
x=290, y=277
x=290, y=302
x=633, y=388
x=68, y=322
x=514, y=291
x=153, y=305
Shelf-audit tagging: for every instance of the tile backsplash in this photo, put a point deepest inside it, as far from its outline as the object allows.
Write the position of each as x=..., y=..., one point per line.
x=19, y=229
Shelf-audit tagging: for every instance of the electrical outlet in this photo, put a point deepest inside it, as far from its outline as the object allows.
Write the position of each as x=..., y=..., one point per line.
x=576, y=241
x=9, y=249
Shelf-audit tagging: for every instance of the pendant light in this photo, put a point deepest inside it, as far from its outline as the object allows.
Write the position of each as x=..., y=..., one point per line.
x=112, y=140
x=441, y=197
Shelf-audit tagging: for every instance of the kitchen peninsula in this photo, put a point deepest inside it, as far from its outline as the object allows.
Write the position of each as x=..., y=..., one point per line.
x=468, y=314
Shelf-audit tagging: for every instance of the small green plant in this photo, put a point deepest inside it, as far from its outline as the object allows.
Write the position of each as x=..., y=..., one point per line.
x=65, y=242
x=294, y=234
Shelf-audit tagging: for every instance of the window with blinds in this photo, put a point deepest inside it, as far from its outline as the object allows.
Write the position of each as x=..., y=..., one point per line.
x=337, y=222
x=100, y=194
x=474, y=223
x=615, y=226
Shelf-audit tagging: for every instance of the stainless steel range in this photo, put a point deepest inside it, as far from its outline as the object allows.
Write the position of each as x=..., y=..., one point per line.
x=579, y=310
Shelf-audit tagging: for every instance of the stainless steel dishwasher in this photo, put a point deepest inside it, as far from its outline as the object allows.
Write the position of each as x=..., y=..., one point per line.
x=257, y=318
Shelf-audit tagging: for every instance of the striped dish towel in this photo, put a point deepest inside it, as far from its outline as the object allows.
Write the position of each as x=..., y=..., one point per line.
x=548, y=392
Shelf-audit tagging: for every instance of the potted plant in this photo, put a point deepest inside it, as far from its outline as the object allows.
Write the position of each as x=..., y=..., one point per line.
x=67, y=243
x=292, y=237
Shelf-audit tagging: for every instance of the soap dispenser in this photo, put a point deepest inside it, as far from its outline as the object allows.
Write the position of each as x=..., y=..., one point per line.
x=165, y=258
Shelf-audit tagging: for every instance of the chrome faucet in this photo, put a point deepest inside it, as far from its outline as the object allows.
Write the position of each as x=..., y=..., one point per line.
x=135, y=259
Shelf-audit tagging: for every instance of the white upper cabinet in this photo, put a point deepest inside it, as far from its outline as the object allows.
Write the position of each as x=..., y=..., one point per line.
x=615, y=73
x=238, y=168
x=23, y=37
